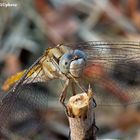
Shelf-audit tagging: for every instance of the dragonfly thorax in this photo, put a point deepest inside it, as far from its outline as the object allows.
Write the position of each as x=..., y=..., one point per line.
x=73, y=63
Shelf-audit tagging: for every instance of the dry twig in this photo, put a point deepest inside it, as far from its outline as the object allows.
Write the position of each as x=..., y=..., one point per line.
x=81, y=116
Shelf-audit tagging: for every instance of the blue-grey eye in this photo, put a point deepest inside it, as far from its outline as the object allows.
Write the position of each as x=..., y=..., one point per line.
x=80, y=54
x=64, y=62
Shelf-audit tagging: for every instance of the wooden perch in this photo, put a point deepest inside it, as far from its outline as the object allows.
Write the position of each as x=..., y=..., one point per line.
x=81, y=116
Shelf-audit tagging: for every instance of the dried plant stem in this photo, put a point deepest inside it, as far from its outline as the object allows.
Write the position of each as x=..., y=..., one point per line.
x=81, y=117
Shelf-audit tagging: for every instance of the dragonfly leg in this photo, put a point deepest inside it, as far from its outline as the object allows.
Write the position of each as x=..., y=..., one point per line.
x=94, y=125
x=81, y=85
x=69, y=135
x=73, y=88
x=95, y=104
x=64, y=92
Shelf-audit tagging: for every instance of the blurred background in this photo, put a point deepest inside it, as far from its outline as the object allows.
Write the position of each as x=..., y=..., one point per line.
x=33, y=26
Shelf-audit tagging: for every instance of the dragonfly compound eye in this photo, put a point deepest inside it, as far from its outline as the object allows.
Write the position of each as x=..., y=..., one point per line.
x=77, y=65
x=80, y=54
x=64, y=63
x=73, y=62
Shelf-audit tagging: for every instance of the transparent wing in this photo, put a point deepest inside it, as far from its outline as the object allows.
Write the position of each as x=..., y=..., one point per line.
x=114, y=70
x=22, y=94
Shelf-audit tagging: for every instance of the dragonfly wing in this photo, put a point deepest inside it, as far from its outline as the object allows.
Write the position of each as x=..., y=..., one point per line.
x=22, y=88
x=102, y=58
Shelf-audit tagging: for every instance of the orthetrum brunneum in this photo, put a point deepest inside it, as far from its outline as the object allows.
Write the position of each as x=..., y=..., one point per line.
x=72, y=63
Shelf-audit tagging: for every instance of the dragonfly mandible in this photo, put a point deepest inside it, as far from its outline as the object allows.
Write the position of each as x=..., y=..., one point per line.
x=74, y=62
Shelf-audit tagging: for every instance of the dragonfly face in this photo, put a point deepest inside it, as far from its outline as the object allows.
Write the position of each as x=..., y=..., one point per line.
x=73, y=63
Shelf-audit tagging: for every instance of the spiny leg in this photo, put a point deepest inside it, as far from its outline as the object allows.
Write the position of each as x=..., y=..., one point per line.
x=90, y=91
x=94, y=101
x=73, y=88
x=64, y=92
x=81, y=85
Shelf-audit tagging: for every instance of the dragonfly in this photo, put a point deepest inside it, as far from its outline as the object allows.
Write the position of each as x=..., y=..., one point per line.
x=74, y=64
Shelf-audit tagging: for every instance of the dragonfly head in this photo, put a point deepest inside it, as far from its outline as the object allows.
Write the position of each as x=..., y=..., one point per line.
x=73, y=63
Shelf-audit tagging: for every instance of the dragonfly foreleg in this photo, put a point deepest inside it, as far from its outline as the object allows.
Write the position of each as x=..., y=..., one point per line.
x=81, y=85
x=73, y=88
x=95, y=104
x=64, y=92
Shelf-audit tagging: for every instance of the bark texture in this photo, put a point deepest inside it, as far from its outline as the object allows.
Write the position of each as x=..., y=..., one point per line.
x=81, y=116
